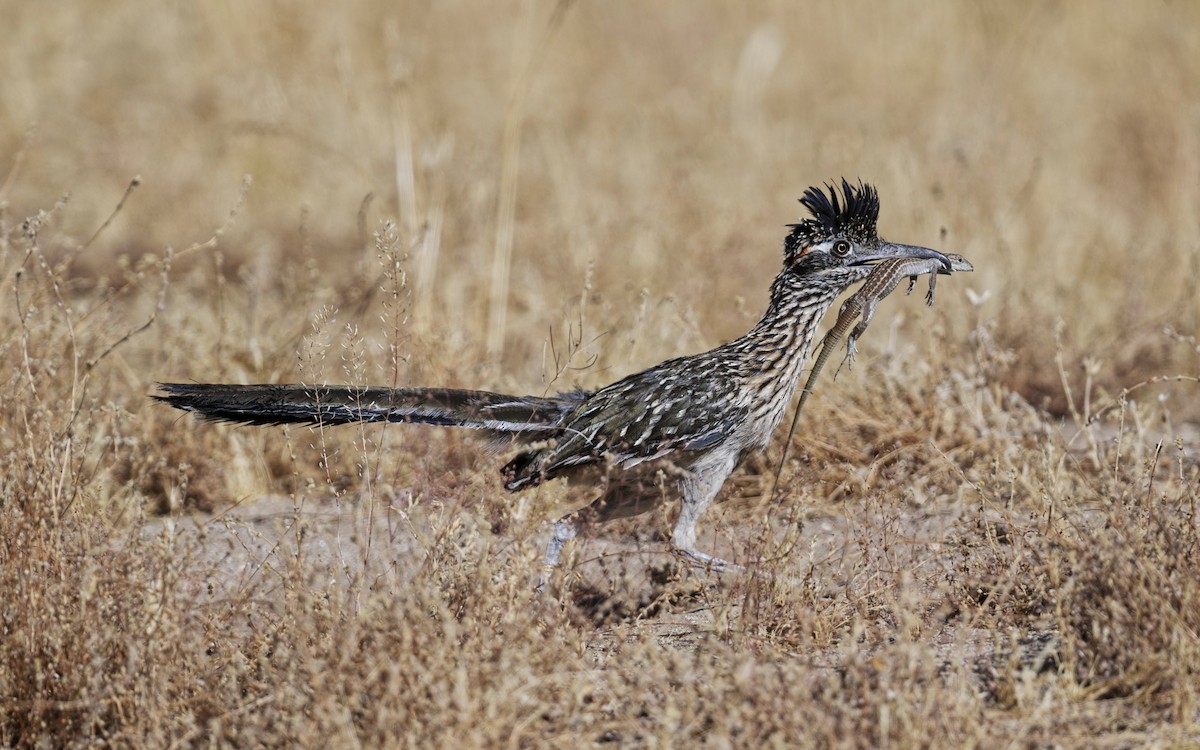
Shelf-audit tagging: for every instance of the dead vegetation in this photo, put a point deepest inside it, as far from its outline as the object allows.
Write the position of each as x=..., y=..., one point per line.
x=989, y=535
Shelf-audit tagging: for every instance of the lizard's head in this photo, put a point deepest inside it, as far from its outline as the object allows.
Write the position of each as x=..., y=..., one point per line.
x=838, y=242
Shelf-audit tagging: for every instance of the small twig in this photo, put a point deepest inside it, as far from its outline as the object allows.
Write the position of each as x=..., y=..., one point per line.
x=1076, y=417
x=18, y=160
x=1121, y=398
x=158, y=308
x=211, y=242
x=133, y=183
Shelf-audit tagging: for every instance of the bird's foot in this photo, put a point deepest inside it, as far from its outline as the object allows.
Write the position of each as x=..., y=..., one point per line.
x=705, y=561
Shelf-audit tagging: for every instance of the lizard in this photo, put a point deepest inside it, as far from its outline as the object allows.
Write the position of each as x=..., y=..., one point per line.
x=883, y=281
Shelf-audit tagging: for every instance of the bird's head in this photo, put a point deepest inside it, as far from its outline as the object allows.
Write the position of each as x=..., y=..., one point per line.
x=837, y=244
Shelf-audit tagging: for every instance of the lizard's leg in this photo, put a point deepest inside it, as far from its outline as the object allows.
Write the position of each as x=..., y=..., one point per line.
x=868, y=312
x=932, y=283
x=851, y=348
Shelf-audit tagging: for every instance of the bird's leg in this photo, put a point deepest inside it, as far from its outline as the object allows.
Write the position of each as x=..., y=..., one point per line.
x=564, y=531
x=700, y=487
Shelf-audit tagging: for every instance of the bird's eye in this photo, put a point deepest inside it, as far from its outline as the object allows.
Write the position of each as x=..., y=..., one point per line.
x=841, y=248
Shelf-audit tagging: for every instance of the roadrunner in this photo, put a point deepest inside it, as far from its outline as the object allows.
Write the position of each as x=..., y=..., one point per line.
x=678, y=427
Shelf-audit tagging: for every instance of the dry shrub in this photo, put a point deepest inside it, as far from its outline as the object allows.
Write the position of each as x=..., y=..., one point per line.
x=970, y=565
x=1126, y=579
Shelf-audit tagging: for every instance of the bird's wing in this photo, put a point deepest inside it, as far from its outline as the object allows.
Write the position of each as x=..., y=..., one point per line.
x=664, y=410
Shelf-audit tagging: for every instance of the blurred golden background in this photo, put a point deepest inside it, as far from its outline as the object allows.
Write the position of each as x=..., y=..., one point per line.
x=622, y=147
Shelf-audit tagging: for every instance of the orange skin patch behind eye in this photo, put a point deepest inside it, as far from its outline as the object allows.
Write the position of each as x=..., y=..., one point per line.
x=804, y=251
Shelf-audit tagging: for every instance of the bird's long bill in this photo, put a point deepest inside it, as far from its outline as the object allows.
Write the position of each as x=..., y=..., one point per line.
x=888, y=250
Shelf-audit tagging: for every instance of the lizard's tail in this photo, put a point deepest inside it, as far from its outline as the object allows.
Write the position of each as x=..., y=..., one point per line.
x=323, y=404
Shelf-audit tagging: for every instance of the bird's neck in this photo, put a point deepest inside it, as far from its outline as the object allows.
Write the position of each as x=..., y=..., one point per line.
x=777, y=347
x=780, y=342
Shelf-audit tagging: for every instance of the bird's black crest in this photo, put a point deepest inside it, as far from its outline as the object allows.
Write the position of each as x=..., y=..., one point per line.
x=853, y=214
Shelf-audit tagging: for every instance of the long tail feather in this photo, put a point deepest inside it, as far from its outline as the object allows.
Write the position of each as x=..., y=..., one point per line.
x=281, y=404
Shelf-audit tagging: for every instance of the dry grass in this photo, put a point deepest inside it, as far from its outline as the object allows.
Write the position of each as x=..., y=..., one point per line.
x=991, y=535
